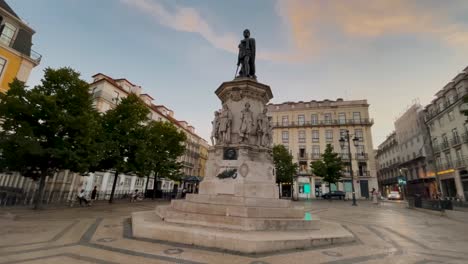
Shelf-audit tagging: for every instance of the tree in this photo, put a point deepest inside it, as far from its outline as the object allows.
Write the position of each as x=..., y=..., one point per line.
x=164, y=143
x=285, y=168
x=329, y=167
x=122, y=135
x=48, y=128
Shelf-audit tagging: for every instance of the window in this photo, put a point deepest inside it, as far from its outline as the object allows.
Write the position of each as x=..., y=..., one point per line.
x=360, y=149
x=314, y=119
x=328, y=119
x=358, y=134
x=301, y=120
x=285, y=120
x=455, y=134
x=342, y=133
x=448, y=158
x=459, y=154
x=302, y=137
x=315, y=152
x=2, y=65
x=450, y=115
x=341, y=118
x=285, y=136
x=7, y=34
x=329, y=135
x=315, y=136
x=116, y=97
x=302, y=152
x=357, y=117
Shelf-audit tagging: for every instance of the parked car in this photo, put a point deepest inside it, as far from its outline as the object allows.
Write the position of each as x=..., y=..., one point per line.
x=341, y=195
x=394, y=195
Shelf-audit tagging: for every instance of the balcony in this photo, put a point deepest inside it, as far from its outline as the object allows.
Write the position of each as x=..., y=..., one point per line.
x=437, y=110
x=328, y=122
x=444, y=145
x=33, y=55
x=346, y=173
x=362, y=156
x=344, y=156
x=459, y=163
x=465, y=137
x=455, y=141
x=364, y=173
x=302, y=156
x=436, y=148
x=316, y=156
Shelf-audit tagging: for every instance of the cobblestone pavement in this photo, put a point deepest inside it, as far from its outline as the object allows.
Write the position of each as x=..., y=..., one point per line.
x=388, y=233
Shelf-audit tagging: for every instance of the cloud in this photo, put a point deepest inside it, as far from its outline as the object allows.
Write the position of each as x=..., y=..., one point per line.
x=308, y=20
x=185, y=19
x=315, y=25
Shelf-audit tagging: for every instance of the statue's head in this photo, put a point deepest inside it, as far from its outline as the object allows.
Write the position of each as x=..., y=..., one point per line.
x=216, y=113
x=246, y=33
x=247, y=105
x=265, y=110
x=225, y=107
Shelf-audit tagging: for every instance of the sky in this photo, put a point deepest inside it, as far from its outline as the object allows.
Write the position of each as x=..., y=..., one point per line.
x=390, y=52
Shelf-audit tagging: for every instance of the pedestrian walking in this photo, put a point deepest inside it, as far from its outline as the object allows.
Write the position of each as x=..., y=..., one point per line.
x=375, y=196
x=94, y=194
x=82, y=198
x=134, y=196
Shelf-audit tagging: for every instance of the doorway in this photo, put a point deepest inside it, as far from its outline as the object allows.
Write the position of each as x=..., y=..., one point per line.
x=364, y=184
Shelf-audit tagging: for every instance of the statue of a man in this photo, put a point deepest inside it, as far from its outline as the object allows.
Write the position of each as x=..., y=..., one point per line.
x=225, y=122
x=262, y=126
x=247, y=123
x=267, y=133
x=215, y=132
x=247, y=56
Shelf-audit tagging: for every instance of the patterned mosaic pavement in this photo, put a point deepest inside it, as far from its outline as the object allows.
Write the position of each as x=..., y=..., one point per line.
x=388, y=233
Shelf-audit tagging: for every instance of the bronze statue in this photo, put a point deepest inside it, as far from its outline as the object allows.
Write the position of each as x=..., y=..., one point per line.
x=247, y=56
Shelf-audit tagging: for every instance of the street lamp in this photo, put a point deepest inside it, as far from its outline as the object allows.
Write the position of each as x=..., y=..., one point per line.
x=344, y=142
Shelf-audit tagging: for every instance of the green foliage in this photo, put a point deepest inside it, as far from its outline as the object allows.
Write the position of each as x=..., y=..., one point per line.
x=329, y=167
x=285, y=168
x=122, y=135
x=48, y=128
x=164, y=143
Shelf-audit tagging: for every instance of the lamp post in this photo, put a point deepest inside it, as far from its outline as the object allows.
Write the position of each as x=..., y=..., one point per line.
x=344, y=142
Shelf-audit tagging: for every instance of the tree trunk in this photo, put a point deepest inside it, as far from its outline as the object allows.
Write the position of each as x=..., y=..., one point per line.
x=116, y=175
x=146, y=185
x=40, y=192
x=155, y=184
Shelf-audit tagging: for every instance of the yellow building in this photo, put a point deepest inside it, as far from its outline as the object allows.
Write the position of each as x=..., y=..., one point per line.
x=203, y=157
x=17, y=59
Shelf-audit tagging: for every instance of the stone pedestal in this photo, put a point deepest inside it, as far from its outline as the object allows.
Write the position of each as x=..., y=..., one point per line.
x=238, y=206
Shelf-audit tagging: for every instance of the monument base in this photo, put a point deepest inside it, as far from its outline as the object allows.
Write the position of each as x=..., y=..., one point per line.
x=150, y=225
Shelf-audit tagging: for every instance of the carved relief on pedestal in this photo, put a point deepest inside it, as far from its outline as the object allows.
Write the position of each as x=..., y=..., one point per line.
x=247, y=124
x=225, y=125
x=244, y=170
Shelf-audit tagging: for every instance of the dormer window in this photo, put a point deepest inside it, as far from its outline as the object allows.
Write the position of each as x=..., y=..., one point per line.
x=8, y=33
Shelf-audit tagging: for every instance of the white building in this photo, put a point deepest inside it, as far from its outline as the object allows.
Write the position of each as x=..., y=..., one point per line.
x=449, y=132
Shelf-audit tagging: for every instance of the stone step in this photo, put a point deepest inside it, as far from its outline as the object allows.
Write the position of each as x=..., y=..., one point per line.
x=149, y=225
x=238, y=200
x=172, y=215
x=237, y=210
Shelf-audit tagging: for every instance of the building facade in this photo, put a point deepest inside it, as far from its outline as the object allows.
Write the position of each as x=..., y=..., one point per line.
x=107, y=93
x=305, y=128
x=388, y=162
x=17, y=59
x=449, y=133
x=415, y=153
x=64, y=185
